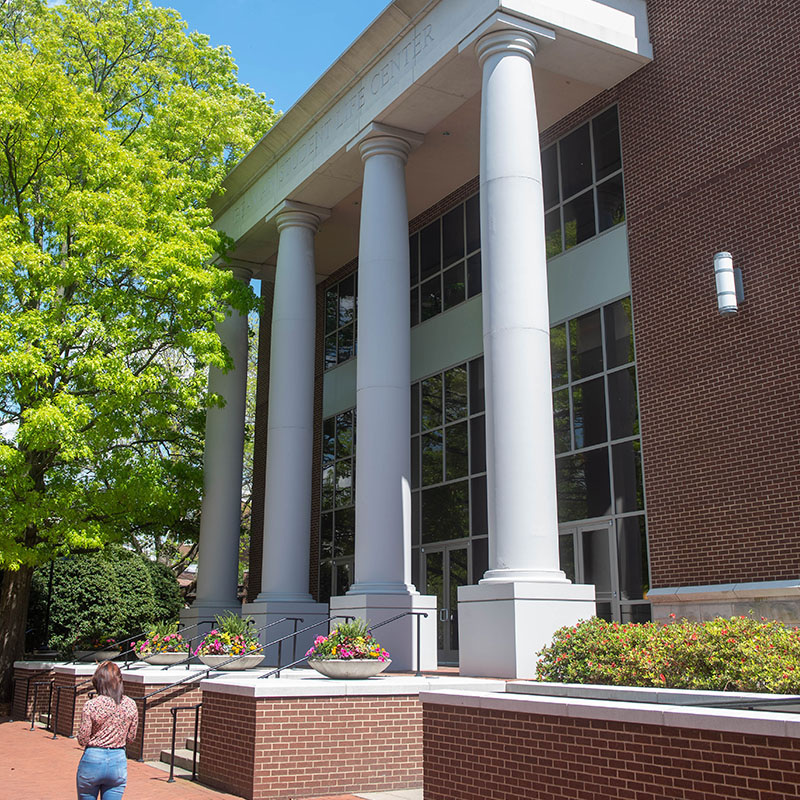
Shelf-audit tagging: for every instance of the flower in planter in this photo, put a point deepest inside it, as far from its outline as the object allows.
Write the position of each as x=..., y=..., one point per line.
x=230, y=637
x=162, y=638
x=95, y=642
x=349, y=640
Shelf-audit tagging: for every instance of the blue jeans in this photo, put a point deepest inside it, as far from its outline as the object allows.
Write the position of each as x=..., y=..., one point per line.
x=103, y=771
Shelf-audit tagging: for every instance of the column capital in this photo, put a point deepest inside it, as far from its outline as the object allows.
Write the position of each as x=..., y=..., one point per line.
x=507, y=41
x=290, y=213
x=377, y=139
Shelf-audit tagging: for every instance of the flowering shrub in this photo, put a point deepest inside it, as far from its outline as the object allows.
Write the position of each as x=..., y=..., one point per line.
x=230, y=637
x=163, y=638
x=737, y=654
x=348, y=641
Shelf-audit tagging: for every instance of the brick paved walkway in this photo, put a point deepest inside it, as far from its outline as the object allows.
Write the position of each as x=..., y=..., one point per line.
x=34, y=766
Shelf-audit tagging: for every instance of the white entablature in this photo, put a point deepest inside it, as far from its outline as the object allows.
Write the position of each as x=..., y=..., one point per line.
x=410, y=70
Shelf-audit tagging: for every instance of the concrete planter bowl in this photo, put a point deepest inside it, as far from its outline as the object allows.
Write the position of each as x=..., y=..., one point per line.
x=162, y=659
x=90, y=657
x=248, y=662
x=348, y=668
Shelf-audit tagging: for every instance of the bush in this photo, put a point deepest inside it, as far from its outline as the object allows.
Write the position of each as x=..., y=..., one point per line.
x=737, y=654
x=113, y=593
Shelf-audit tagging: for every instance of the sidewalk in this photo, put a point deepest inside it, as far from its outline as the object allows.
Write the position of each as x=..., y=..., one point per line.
x=34, y=766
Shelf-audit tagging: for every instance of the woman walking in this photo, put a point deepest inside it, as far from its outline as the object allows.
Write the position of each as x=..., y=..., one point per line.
x=108, y=723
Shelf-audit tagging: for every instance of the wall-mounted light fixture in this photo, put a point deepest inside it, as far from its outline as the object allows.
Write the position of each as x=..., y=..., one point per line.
x=730, y=291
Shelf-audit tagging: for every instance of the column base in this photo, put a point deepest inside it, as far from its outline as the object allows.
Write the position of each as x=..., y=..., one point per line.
x=265, y=612
x=501, y=626
x=398, y=637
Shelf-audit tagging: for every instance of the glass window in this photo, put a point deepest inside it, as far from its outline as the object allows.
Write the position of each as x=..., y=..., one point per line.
x=579, y=222
x=477, y=401
x=456, y=449
x=550, y=176
x=619, y=333
x=634, y=574
x=586, y=345
x=561, y=418
x=455, y=288
x=432, y=457
x=558, y=354
x=455, y=392
x=445, y=512
x=473, y=216
x=586, y=165
x=607, y=153
x=445, y=262
x=623, y=403
x=589, y=413
x=430, y=258
x=480, y=516
x=575, y=159
x=453, y=236
x=432, y=402
x=628, y=490
x=583, y=483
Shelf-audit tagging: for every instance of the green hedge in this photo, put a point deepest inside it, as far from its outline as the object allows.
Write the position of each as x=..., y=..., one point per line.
x=737, y=654
x=113, y=593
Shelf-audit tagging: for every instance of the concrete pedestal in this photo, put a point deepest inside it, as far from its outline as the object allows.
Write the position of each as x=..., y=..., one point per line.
x=265, y=612
x=502, y=626
x=398, y=637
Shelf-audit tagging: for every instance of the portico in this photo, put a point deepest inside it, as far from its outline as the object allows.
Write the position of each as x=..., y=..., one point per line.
x=428, y=97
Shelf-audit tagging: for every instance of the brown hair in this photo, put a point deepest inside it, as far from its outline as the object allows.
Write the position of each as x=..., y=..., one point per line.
x=107, y=680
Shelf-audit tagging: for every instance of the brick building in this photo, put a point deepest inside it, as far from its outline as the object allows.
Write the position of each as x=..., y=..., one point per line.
x=650, y=452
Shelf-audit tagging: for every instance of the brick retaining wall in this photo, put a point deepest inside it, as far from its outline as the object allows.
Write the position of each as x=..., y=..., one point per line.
x=25, y=675
x=492, y=746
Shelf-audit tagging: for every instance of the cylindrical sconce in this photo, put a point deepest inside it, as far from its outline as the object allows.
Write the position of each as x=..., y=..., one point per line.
x=729, y=283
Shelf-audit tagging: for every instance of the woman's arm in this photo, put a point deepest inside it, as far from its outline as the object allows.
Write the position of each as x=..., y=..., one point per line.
x=134, y=722
x=85, y=729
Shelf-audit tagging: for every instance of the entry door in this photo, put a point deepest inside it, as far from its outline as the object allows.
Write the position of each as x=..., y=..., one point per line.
x=589, y=555
x=444, y=569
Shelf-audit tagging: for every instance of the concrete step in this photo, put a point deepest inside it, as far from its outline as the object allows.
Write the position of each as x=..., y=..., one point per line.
x=183, y=757
x=190, y=743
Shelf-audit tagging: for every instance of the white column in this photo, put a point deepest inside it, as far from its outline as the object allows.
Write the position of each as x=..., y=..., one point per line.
x=383, y=433
x=220, y=526
x=383, y=587
x=287, y=500
x=290, y=429
x=523, y=520
x=524, y=596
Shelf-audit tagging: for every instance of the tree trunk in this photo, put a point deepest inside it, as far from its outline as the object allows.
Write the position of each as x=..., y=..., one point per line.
x=14, y=594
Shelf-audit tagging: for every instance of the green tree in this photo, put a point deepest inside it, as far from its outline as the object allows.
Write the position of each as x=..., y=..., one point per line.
x=116, y=127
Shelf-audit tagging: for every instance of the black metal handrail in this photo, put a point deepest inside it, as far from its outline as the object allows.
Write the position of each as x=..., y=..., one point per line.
x=36, y=686
x=191, y=655
x=129, y=650
x=174, y=711
x=188, y=642
x=203, y=674
x=303, y=660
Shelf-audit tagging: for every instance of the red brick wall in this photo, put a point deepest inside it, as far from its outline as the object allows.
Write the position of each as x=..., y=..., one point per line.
x=282, y=748
x=711, y=149
x=69, y=697
x=711, y=152
x=477, y=754
x=24, y=680
x=158, y=719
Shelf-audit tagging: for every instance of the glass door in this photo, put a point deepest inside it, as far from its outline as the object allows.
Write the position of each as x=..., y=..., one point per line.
x=589, y=555
x=443, y=569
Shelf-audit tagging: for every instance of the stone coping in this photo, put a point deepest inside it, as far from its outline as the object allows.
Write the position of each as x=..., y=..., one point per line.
x=644, y=694
x=725, y=591
x=304, y=683
x=36, y=666
x=722, y=720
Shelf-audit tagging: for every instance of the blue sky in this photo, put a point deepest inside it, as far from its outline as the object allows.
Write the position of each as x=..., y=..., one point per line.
x=281, y=48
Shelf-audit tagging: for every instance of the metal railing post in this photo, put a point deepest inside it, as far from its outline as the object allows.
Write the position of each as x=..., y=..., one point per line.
x=58, y=706
x=171, y=778
x=144, y=719
x=196, y=740
x=419, y=643
x=50, y=707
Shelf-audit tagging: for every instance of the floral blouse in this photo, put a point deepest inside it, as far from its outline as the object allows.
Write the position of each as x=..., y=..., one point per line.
x=106, y=724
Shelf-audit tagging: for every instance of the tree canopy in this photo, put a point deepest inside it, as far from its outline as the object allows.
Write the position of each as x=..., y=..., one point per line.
x=116, y=128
